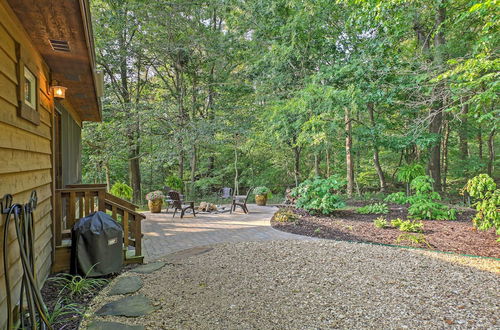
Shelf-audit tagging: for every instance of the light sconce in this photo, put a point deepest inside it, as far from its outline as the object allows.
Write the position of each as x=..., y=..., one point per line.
x=58, y=91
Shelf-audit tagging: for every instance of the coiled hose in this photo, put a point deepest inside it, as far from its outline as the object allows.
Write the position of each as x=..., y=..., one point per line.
x=35, y=316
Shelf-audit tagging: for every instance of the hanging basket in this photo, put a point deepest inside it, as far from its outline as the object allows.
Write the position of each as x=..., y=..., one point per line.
x=155, y=205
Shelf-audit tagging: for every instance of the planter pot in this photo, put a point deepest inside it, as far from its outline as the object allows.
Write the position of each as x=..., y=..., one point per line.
x=261, y=200
x=155, y=205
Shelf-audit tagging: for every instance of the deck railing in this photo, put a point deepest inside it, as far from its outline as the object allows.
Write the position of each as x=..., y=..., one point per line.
x=77, y=201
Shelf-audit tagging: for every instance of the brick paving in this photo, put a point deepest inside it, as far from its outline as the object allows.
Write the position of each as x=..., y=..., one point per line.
x=164, y=235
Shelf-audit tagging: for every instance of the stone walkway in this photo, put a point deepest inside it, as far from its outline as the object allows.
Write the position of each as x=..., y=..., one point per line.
x=164, y=235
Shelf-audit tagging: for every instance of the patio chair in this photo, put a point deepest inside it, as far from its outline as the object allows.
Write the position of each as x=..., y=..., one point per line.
x=179, y=204
x=241, y=201
x=224, y=193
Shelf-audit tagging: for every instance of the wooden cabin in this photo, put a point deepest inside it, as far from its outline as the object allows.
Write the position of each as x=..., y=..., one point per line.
x=47, y=43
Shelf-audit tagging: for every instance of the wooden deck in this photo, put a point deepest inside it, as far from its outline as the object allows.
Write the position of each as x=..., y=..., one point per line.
x=77, y=201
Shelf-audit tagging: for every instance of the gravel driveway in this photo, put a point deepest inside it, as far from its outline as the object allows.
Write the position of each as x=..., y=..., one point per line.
x=318, y=284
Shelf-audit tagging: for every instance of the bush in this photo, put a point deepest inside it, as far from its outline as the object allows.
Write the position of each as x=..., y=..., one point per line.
x=412, y=238
x=398, y=198
x=408, y=226
x=174, y=182
x=319, y=196
x=285, y=216
x=423, y=203
x=121, y=190
x=261, y=190
x=483, y=188
x=377, y=208
x=381, y=223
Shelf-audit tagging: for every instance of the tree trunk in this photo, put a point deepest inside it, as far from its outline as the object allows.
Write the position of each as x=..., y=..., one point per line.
x=376, y=161
x=107, y=174
x=236, y=183
x=491, y=152
x=296, y=168
x=445, y=153
x=193, y=164
x=480, y=143
x=328, y=174
x=135, y=174
x=463, y=132
x=435, y=125
x=316, y=164
x=181, y=163
x=348, y=153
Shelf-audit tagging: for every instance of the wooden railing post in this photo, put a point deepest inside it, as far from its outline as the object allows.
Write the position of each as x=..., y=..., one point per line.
x=138, y=236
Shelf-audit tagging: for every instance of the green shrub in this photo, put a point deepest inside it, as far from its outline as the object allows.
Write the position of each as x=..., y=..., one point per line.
x=408, y=173
x=396, y=222
x=174, y=182
x=377, y=208
x=318, y=196
x=484, y=189
x=261, y=190
x=411, y=226
x=423, y=202
x=418, y=239
x=397, y=197
x=121, y=190
x=76, y=285
x=381, y=223
x=285, y=216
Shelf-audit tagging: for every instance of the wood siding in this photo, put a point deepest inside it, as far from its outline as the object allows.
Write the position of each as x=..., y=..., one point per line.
x=25, y=151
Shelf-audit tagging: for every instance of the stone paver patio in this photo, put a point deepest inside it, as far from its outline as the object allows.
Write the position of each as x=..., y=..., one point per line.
x=164, y=235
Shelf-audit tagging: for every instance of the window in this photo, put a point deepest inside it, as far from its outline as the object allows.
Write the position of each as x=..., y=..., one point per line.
x=27, y=87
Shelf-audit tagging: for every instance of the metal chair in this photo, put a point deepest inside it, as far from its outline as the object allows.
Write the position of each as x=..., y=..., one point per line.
x=241, y=201
x=224, y=193
x=179, y=204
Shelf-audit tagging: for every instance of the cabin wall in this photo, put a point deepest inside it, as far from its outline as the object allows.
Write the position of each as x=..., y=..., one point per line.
x=25, y=151
x=71, y=134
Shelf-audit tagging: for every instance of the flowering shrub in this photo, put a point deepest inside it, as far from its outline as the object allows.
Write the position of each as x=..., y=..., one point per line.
x=155, y=195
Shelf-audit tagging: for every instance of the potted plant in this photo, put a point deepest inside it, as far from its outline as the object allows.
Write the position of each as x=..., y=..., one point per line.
x=261, y=194
x=155, y=200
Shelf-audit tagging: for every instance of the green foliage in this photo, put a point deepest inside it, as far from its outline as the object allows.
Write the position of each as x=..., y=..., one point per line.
x=409, y=172
x=377, y=208
x=174, y=182
x=121, y=190
x=261, y=190
x=396, y=223
x=76, y=285
x=155, y=195
x=423, y=202
x=381, y=223
x=397, y=197
x=417, y=239
x=319, y=196
x=407, y=225
x=484, y=189
x=62, y=312
x=285, y=216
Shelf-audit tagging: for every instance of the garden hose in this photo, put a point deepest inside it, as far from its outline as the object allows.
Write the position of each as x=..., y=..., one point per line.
x=24, y=225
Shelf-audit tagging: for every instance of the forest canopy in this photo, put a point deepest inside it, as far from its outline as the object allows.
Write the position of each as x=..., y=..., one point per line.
x=233, y=93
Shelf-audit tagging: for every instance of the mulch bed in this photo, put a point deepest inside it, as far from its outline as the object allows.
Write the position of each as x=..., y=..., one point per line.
x=51, y=292
x=346, y=225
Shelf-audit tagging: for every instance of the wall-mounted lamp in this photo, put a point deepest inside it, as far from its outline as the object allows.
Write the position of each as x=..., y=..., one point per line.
x=58, y=91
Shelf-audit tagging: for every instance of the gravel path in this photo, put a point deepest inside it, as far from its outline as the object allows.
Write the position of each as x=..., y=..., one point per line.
x=318, y=284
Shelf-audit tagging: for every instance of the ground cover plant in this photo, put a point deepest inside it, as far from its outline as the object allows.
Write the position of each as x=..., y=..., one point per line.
x=377, y=208
x=395, y=228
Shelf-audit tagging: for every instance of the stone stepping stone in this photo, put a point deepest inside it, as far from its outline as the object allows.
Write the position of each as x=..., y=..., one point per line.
x=126, y=285
x=131, y=306
x=102, y=325
x=149, y=268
